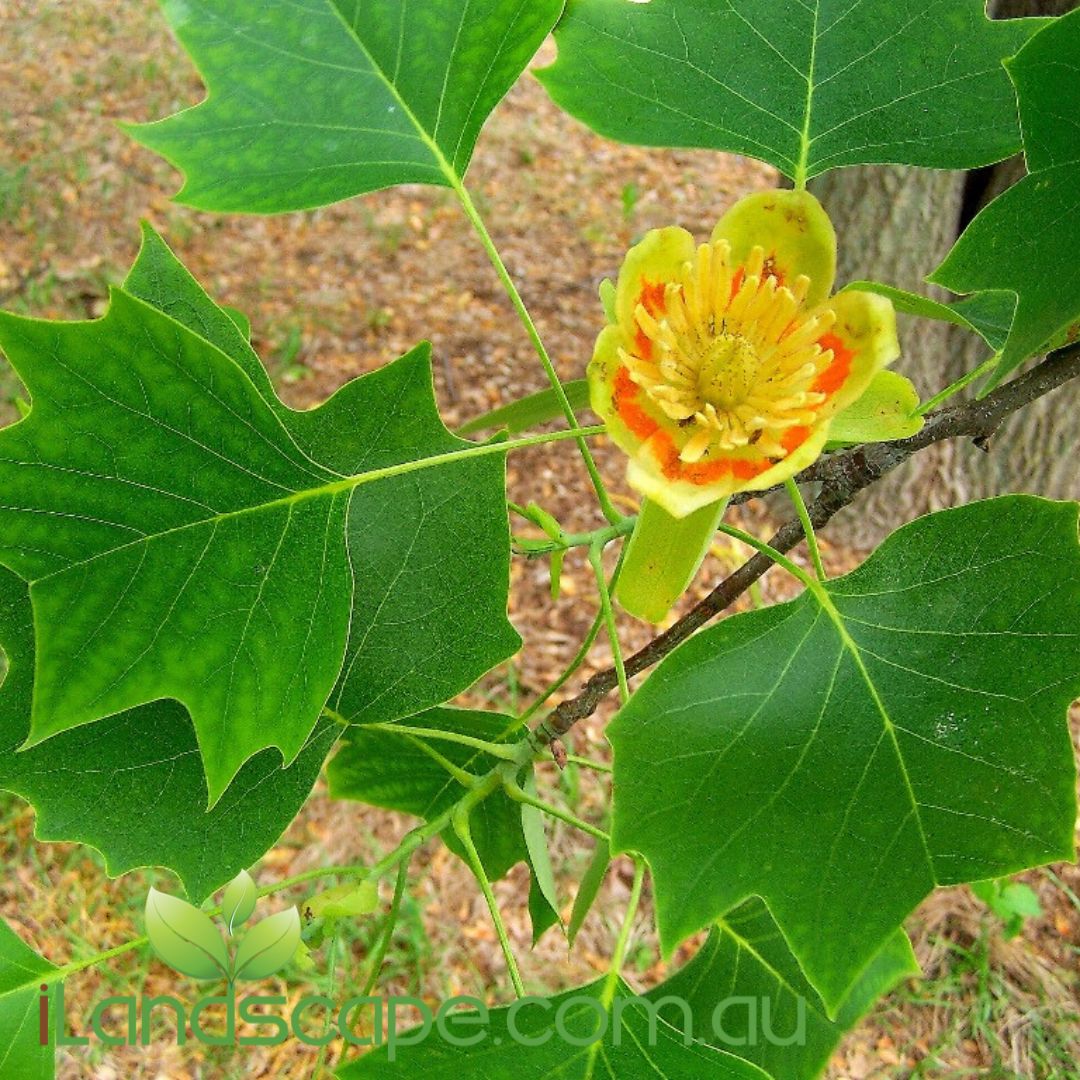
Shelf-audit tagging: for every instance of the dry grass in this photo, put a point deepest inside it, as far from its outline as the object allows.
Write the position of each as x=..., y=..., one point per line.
x=338, y=292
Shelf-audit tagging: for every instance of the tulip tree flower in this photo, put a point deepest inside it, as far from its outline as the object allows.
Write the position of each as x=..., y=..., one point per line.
x=721, y=370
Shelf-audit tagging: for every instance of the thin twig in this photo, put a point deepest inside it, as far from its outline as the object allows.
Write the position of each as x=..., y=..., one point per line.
x=842, y=477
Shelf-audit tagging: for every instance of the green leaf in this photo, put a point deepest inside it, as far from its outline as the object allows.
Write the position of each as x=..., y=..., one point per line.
x=840, y=755
x=646, y=1046
x=243, y=323
x=400, y=772
x=1010, y=901
x=93, y=783
x=885, y=411
x=588, y=889
x=440, y=545
x=536, y=843
x=987, y=314
x=1026, y=240
x=531, y=411
x=268, y=946
x=159, y=278
x=318, y=100
x=177, y=541
x=745, y=959
x=154, y=483
x=185, y=938
x=343, y=901
x=805, y=86
x=239, y=901
x=22, y=973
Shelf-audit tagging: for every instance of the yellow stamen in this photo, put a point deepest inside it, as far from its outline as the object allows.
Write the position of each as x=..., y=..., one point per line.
x=735, y=366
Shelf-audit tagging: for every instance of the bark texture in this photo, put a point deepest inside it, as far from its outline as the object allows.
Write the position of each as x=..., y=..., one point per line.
x=895, y=224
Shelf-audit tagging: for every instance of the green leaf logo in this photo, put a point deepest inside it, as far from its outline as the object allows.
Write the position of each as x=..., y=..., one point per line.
x=185, y=938
x=239, y=901
x=268, y=946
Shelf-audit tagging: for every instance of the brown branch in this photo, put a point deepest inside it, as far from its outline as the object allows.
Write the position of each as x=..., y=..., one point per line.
x=842, y=476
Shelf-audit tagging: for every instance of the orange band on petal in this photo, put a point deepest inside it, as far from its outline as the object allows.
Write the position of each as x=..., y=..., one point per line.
x=663, y=448
x=747, y=470
x=643, y=346
x=836, y=374
x=706, y=472
x=794, y=438
x=736, y=281
x=652, y=297
x=700, y=473
x=632, y=415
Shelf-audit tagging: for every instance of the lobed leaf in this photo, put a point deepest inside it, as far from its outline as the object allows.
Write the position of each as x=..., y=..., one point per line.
x=440, y=544
x=181, y=539
x=133, y=785
x=1025, y=241
x=314, y=101
x=804, y=86
x=639, y=1044
x=840, y=755
x=788, y=1034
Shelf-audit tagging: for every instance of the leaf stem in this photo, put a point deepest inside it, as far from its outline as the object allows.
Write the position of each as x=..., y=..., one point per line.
x=462, y=776
x=382, y=948
x=589, y=763
x=808, y=527
x=770, y=552
x=496, y=750
x=474, y=216
x=566, y=541
x=954, y=388
x=579, y=656
x=331, y=978
x=596, y=553
x=461, y=827
x=618, y=958
x=481, y=450
x=518, y=794
x=482, y=787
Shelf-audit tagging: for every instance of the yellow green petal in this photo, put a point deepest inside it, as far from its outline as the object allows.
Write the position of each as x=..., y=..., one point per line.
x=648, y=267
x=794, y=231
x=800, y=458
x=885, y=411
x=863, y=340
x=630, y=414
x=678, y=497
x=662, y=557
x=607, y=298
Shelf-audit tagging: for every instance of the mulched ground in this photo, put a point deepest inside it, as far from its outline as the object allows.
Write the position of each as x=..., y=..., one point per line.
x=336, y=293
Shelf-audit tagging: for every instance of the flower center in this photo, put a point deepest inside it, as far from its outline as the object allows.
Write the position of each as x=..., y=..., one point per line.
x=731, y=353
x=727, y=371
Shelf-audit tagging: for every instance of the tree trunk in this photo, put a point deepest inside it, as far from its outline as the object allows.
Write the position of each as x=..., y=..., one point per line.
x=895, y=225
